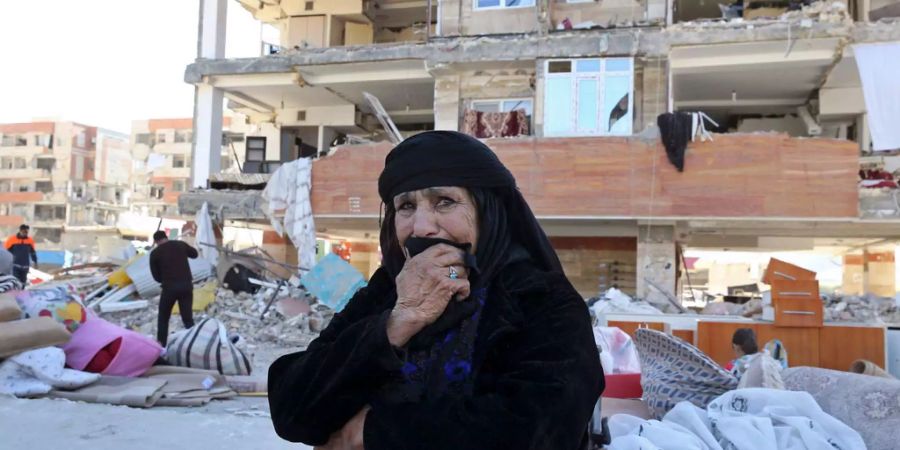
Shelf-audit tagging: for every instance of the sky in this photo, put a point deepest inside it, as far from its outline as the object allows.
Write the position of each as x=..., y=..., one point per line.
x=105, y=62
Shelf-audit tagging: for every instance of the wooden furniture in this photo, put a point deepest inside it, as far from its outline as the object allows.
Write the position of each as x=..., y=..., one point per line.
x=797, y=303
x=780, y=270
x=714, y=339
x=830, y=346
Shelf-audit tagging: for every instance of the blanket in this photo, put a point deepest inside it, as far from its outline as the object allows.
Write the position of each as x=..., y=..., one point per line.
x=37, y=372
x=742, y=419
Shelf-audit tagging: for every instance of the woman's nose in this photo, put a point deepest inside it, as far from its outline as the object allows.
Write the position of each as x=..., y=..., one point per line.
x=425, y=223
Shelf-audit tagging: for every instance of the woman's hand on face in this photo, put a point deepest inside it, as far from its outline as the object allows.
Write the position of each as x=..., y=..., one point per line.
x=350, y=437
x=424, y=288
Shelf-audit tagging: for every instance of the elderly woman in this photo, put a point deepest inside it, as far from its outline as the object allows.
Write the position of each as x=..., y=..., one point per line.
x=468, y=337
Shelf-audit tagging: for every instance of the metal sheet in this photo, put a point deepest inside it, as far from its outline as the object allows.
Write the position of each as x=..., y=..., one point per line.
x=147, y=287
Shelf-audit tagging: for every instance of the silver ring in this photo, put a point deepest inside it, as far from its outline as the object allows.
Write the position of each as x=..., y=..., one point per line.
x=453, y=273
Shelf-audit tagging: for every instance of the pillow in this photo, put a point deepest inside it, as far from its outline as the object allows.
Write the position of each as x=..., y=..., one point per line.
x=56, y=303
x=673, y=371
x=762, y=372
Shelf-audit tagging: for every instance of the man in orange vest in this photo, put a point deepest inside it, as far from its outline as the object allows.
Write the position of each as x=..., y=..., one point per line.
x=22, y=248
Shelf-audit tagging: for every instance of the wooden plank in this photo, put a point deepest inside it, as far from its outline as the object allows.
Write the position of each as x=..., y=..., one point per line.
x=802, y=344
x=714, y=339
x=839, y=347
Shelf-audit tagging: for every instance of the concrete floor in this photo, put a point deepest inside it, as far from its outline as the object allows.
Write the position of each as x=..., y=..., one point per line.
x=38, y=424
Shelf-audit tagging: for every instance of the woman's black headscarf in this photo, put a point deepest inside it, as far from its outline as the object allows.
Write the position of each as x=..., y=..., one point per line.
x=439, y=356
x=448, y=158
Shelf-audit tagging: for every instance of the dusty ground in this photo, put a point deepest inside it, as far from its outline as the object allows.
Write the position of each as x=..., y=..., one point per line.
x=239, y=423
x=50, y=424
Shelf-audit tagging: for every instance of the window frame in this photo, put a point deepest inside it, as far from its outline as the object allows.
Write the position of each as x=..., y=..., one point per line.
x=501, y=6
x=176, y=158
x=248, y=147
x=600, y=76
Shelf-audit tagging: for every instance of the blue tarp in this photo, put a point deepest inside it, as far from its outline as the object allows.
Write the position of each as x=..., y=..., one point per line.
x=61, y=258
x=333, y=281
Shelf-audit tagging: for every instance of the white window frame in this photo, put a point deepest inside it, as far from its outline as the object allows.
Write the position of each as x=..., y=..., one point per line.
x=501, y=6
x=499, y=102
x=575, y=76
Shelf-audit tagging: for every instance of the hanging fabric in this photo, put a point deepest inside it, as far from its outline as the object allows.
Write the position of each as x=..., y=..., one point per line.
x=677, y=129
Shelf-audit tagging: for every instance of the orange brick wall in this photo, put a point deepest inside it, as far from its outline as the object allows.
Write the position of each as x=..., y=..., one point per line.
x=737, y=175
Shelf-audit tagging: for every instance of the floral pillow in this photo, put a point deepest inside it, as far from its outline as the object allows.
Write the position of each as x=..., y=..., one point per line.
x=57, y=303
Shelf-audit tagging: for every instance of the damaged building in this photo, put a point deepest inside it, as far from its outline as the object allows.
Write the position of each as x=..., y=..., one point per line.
x=67, y=180
x=569, y=94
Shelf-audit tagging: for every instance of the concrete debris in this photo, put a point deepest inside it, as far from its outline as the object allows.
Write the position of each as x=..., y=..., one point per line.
x=861, y=308
x=615, y=301
x=241, y=314
x=751, y=308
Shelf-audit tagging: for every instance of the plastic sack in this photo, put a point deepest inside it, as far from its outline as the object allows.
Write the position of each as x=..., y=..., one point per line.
x=617, y=351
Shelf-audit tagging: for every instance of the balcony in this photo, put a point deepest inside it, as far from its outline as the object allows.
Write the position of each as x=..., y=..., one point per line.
x=20, y=174
x=737, y=176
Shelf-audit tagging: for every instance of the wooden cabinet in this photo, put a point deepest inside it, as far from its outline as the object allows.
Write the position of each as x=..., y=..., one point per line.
x=839, y=347
x=802, y=344
x=830, y=347
x=714, y=339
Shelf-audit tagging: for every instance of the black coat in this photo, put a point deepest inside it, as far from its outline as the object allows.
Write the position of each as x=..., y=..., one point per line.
x=536, y=374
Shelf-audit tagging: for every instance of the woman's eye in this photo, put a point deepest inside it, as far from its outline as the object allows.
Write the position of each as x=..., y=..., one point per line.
x=445, y=202
x=406, y=206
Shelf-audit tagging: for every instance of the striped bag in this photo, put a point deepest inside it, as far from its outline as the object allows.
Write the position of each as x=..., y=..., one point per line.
x=206, y=346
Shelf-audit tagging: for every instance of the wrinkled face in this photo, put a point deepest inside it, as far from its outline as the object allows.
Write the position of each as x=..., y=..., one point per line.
x=437, y=212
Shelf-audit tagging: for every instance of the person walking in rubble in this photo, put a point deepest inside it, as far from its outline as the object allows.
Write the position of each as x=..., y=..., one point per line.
x=169, y=267
x=469, y=336
x=22, y=248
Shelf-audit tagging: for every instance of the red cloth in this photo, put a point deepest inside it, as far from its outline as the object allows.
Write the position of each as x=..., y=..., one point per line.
x=493, y=125
x=104, y=357
x=623, y=385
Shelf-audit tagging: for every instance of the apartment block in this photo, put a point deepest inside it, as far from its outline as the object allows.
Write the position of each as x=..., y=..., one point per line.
x=570, y=93
x=61, y=176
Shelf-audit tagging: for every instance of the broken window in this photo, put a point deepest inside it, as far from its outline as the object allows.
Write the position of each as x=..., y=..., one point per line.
x=499, y=118
x=589, y=97
x=256, y=148
x=183, y=136
x=178, y=161
x=157, y=192
x=43, y=186
x=23, y=188
x=144, y=138
x=178, y=186
x=499, y=4
x=20, y=163
x=161, y=138
x=21, y=141
x=46, y=163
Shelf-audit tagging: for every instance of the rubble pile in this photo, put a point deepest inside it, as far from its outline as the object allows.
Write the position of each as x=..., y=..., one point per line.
x=242, y=314
x=861, y=308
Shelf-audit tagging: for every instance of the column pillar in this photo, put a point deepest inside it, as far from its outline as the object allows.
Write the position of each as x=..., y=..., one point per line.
x=206, y=157
x=656, y=265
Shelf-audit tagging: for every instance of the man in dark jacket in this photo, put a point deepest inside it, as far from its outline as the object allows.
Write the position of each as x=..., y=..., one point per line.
x=22, y=248
x=169, y=267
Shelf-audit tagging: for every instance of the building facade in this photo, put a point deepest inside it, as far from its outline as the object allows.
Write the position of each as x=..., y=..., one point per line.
x=569, y=94
x=58, y=176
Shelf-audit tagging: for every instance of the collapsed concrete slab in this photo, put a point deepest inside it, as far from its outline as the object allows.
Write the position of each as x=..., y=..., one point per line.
x=230, y=204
